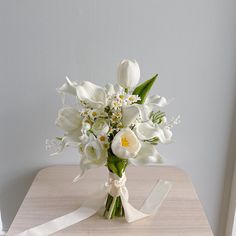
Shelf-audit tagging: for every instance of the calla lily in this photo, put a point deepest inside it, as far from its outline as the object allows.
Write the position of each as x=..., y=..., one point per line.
x=146, y=131
x=156, y=100
x=128, y=74
x=92, y=94
x=113, y=89
x=147, y=155
x=125, y=144
x=129, y=114
x=68, y=88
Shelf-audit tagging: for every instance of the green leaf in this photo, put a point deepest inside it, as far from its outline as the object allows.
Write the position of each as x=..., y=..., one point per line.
x=116, y=165
x=143, y=89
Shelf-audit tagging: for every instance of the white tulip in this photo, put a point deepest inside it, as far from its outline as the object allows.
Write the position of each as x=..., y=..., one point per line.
x=92, y=94
x=125, y=144
x=100, y=127
x=128, y=74
x=69, y=119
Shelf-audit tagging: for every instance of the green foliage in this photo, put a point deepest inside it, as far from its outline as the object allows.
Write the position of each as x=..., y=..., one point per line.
x=143, y=89
x=116, y=165
x=156, y=117
x=153, y=141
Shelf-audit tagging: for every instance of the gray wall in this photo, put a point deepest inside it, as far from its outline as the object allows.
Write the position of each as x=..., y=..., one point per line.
x=191, y=44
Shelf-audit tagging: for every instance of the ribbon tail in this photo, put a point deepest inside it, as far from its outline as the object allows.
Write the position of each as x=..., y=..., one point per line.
x=151, y=204
x=131, y=213
x=87, y=209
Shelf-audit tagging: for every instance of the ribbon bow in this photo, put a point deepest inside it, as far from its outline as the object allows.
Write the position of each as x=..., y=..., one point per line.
x=115, y=186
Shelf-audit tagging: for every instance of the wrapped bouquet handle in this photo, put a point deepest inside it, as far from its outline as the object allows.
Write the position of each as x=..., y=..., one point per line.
x=115, y=186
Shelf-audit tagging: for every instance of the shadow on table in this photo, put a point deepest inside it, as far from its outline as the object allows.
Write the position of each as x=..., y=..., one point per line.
x=8, y=201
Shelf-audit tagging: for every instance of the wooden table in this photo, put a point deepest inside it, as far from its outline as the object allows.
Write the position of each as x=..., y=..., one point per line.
x=52, y=194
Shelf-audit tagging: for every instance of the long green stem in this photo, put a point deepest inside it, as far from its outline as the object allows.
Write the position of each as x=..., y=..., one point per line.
x=113, y=205
x=111, y=209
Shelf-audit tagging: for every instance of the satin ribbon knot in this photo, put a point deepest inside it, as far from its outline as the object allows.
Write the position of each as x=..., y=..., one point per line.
x=116, y=186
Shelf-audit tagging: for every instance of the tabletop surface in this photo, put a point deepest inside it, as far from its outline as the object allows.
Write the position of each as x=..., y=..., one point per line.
x=52, y=194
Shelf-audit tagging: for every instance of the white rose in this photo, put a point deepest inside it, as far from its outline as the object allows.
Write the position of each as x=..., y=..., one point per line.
x=125, y=144
x=128, y=74
x=100, y=127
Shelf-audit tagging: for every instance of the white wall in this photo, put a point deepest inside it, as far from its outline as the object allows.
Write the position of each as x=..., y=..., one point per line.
x=191, y=44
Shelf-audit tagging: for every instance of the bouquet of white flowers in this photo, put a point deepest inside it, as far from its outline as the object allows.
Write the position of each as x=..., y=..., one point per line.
x=115, y=126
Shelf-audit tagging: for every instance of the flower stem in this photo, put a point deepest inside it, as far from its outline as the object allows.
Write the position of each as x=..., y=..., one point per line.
x=111, y=208
x=113, y=205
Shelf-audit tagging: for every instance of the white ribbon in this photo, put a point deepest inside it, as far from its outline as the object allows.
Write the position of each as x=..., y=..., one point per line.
x=115, y=186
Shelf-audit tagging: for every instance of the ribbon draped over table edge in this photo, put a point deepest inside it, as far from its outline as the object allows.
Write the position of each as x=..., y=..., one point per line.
x=115, y=186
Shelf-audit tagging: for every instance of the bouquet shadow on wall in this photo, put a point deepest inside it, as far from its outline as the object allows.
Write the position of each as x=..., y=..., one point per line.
x=227, y=214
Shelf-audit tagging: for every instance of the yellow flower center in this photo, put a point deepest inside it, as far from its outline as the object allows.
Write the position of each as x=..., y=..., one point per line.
x=94, y=113
x=124, y=142
x=102, y=138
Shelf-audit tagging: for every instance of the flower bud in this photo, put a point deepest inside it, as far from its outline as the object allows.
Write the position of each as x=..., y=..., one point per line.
x=128, y=74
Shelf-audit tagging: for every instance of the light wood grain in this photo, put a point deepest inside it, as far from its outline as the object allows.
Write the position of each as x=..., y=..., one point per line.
x=52, y=194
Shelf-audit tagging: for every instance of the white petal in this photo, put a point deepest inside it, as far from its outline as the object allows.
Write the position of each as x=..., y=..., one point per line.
x=144, y=111
x=157, y=100
x=68, y=119
x=113, y=89
x=88, y=160
x=68, y=88
x=73, y=138
x=147, y=155
x=125, y=152
x=165, y=134
x=146, y=131
x=130, y=113
x=128, y=74
x=92, y=94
